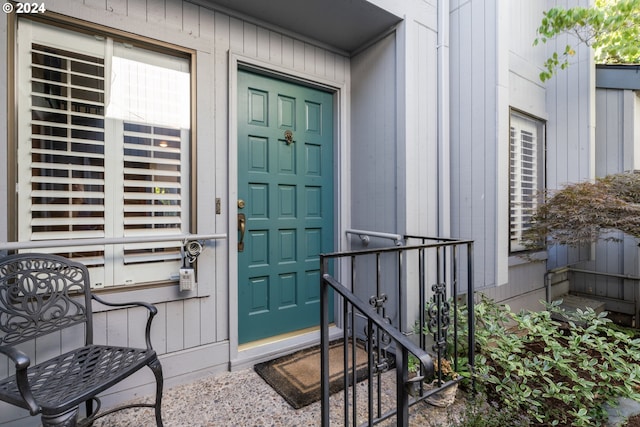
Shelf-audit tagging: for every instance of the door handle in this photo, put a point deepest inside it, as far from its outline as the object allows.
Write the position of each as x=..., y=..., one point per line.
x=242, y=224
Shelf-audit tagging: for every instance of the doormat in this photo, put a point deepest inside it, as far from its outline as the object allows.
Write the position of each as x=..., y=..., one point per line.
x=296, y=377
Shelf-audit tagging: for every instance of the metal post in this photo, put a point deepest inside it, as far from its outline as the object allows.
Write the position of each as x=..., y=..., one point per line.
x=422, y=296
x=324, y=343
x=345, y=361
x=470, y=311
x=456, y=320
x=370, y=368
x=402, y=396
x=354, y=391
x=402, y=314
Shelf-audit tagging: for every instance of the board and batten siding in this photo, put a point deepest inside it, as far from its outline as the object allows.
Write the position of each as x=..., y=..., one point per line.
x=394, y=136
x=571, y=133
x=616, y=133
x=494, y=68
x=527, y=94
x=526, y=90
x=475, y=212
x=418, y=149
x=420, y=146
x=394, y=126
x=190, y=333
x=374, y=153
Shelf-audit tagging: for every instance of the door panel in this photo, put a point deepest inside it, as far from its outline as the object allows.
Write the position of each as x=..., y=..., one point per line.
x=285, y=178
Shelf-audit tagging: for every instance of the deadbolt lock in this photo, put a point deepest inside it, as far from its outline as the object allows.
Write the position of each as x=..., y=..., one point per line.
x=240, y=204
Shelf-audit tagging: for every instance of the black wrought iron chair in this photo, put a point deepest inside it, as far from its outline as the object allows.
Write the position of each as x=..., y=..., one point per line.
x=42, y=294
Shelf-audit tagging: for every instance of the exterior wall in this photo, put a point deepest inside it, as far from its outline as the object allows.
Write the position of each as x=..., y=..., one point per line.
x=478, y=111
x=394, y=140
x=570, y=126
x=616, y=133
x=192, y=334
x=400, y=77
x=419, y=118
x=526, y=93
x=494, y=67
x=616, y=137
x=374, y=137
x=571, y=135
x=400, y=170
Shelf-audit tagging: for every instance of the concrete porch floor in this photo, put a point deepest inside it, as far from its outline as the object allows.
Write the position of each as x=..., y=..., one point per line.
x=243, y=399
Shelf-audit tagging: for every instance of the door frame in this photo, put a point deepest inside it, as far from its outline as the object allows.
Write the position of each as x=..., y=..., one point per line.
x=341, y=188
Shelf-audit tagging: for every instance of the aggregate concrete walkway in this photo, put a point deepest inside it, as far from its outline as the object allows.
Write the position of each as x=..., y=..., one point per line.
x=243, y=399
x=627, y=408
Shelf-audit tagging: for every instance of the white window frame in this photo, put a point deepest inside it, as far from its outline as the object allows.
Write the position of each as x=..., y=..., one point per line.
x=526, y=174
x=112, y=266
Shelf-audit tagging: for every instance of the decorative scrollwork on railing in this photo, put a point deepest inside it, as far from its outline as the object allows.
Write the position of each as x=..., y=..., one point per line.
x=379, y=347
x=439, y=318
x=377, y=341
x=378, y=301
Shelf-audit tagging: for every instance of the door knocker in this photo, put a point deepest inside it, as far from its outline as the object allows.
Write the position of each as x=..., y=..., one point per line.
x=288, y=136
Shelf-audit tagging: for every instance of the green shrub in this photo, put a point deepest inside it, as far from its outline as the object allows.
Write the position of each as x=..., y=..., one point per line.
x=477, y=412
x=555, y=373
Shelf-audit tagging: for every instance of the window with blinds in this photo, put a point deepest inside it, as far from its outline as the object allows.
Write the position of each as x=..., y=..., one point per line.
x=526, y=175
x=103, y=150
x=152, y=190
x=66, y=148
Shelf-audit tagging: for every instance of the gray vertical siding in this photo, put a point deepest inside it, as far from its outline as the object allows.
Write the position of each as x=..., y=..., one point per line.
x=190, y=333
x=374, y=162
x=375, y=175
x=392, y=146
x=188, y=323
x=570, y=135
x=394, y=130
x=419, y=148
x=483, y=49
x=615, y=152
x=609, y=131
x=474, y=138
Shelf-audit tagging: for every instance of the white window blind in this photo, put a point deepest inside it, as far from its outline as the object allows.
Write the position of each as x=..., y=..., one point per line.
x=67, y=159
x=526, y=176
x=103, y=150
x=152, y=190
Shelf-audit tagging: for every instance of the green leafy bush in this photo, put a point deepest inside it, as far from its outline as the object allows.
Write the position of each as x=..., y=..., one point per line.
x=556, y=373
x=477, y=412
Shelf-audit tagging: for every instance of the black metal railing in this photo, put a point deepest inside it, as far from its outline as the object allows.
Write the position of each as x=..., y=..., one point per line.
x=418, y=312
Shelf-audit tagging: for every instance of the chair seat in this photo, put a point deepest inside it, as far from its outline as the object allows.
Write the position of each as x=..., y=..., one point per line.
x=70, y=379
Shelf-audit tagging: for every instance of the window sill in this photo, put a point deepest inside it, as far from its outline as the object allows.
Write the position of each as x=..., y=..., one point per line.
x=155, y=293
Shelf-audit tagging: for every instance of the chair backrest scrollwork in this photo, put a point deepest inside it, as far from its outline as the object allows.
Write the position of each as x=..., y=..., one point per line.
x=41, y=294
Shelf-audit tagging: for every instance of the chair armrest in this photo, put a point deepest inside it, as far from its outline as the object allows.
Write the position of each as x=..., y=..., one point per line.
x=20, y=359
x=152, y=309
x=22, y=362
x=152, y=312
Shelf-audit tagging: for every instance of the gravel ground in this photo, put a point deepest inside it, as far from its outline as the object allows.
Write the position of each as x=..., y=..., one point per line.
x=243, y=399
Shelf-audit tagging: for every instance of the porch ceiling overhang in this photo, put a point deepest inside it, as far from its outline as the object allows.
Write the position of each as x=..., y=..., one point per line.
x=344, y=24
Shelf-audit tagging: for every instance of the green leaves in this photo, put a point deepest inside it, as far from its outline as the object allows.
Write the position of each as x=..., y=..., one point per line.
x=557, y=373
x=610, y=27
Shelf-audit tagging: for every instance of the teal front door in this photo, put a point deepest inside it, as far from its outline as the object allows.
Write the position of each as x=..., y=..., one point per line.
x=285, y=203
